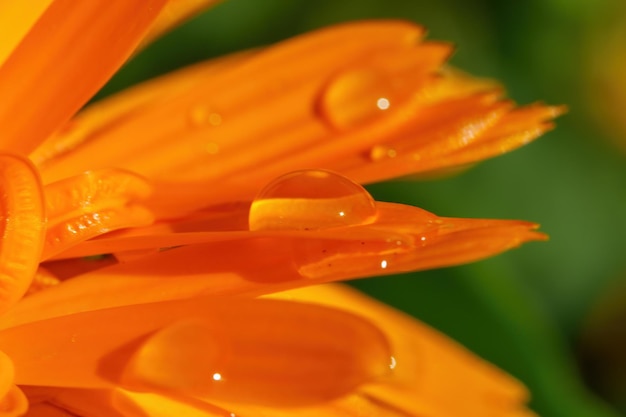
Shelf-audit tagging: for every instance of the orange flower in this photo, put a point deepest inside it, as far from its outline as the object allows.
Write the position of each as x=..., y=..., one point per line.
x=160, y=235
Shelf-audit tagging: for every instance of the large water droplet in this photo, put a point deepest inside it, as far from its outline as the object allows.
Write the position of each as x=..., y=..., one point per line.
x=358, y=97
x=311, y=200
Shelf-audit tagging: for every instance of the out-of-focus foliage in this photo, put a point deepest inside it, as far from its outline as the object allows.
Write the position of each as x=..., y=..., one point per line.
x=546, y=309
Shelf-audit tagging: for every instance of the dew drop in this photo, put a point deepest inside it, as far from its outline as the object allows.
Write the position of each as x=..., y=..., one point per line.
x=358, y=97
x=203, y=116
x=311, y=200
x=380, y=152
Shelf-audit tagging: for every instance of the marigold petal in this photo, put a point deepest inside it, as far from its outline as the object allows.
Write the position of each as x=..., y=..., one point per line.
x=211, y=115
x=47, y=410
x=52, y=401
x=403, y=238
x=7, y=372
x=22, y=227
x=67, y=55
x=14, y=403
x=142, y=404
x=90, y=204
x=434, y=119
x=16, y=19
x=254, y=351
x=430, y=368
x=106, y=113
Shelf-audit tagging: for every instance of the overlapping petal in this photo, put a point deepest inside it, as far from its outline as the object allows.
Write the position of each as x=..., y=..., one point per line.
x=372, y=111
x=22, y=227
x=427, y=371
x=179, y=265
x=41, y=91
x=165, y=317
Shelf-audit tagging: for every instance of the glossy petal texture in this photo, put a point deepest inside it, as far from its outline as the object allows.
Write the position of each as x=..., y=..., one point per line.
x=210, y=348
x=432, y=377
x=162, y=319
x=22, y=227
x=88, y=205
x=402, y=239
x=372, y=111
x=40, y=91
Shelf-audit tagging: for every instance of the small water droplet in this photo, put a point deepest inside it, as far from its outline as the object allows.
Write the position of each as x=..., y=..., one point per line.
x=358, y=97
x=379, y=152
x=311, y=200
x=202, y=115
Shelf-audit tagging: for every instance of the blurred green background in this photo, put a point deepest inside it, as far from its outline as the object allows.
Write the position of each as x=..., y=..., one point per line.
x=553, y=314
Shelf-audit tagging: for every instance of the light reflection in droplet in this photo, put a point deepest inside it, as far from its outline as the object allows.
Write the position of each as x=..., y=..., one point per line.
x=383, y=103
x=311, y=200
x=383, y=264
x=392, y=363
x=217, y=376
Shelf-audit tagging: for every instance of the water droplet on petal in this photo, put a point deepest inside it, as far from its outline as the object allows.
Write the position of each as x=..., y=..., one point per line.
x=311, y=200
x=258, y=352
x=202, y=116
x=380, y=152
x=358, y=97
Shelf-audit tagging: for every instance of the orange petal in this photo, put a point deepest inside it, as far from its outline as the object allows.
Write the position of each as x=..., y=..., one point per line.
x=47, y=410
x=402, y=238
x=115, y=403
x=14, y=403
x=91, y=204
x=112, y=110
x=67, y=55
x=142, y=404
x=16, y=19
x=430, y=368
x=214, y=109
x=372, y=110
x=253, y=351
x=22, y=227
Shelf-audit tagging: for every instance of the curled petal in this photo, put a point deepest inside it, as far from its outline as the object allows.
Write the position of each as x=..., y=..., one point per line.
x=254, y=351
x=14, y=403
x=91, y=204
x=22, y=227
x=79, y=59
